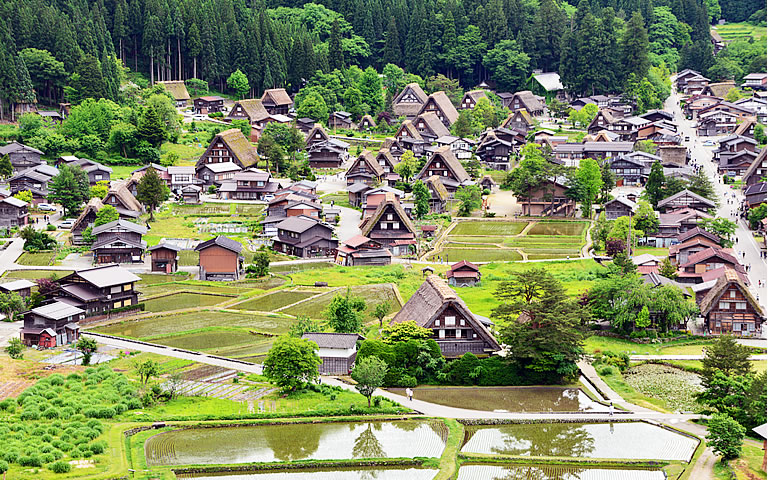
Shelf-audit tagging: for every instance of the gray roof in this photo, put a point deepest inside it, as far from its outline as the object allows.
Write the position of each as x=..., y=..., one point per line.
x=333, y=340
x=550, y=81
x=107, y=275
x=57, y=310
x=298, y=224
x=14, y=201
x=624, y=201
x=121, y=224
x=169, y=246
x=221, y=167
x=223, y=242
x=358, y=187
x=16, y=285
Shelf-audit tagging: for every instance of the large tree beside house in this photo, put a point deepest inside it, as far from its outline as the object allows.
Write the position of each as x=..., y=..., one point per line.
x=70, y=189
x=151, y=191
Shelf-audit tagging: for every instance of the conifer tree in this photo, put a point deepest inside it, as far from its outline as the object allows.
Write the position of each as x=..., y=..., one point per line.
x=335, y=52
x=634, y=47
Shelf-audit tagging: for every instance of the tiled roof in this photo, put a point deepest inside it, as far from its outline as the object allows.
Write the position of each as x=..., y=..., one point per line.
x=221, y=241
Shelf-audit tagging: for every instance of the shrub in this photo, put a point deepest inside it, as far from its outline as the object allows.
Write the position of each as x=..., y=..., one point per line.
x=60, y=467
x=606, y=370
x=30, y=461
x=46, y=458
x=50, y=227
x=97, y=447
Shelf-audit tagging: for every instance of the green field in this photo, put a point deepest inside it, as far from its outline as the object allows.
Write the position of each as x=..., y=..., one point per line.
x=40, y=258
x=488, y=228
x=733, y=31
x=558, y=228
x=273, y=301
x=372, y=294
x=235, y=343
x=203, y=287
x=178, y=301
x=457, y=254
x=11, y=275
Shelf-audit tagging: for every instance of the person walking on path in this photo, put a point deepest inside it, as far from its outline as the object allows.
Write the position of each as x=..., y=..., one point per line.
x=610, y=408
x=409, y=394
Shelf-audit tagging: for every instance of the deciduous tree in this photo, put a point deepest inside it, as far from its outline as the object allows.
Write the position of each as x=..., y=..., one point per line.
x=421, y=195
x=87, y=346
x=344, y=313
x=151, y=191
x=291, y=363
x=70, y=189
x=369, y=374
x=725, y=436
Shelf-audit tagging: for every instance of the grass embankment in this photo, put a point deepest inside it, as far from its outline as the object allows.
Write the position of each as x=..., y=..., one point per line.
x=40, y=258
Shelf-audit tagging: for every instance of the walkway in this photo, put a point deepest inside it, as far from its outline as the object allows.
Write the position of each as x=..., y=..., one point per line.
x=635, y=358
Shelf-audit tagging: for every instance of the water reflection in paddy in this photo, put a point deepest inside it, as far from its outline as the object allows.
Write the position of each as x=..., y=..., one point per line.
x=635, y=440
x=508, y=399
x=553, y=472
x=363, y=474
x=289, y=442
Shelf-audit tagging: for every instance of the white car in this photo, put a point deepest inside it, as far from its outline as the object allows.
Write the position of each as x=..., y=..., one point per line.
x=709, y=143
x=67, y=223
x=46, y=207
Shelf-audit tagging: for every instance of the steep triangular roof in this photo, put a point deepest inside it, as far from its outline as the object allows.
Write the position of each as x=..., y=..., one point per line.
x=443, y=103
x=120, y=191
x=389, y=200
x=518, y=115
x=756, y=163
x=474, y=95
x=240, y=147
x=730, y=278
x=387, y=156
x=177, y=89
x=277, y=96
x=451, y=162
x=687, y=193
x=312, y=135
x=369, y=160
x=253, y=108
x=94, y=205
x=367, y=119
x=417, y=91
x=431, y=299
x=409, y=130
x=437, y=186
x=433, y=124
x=697, y=231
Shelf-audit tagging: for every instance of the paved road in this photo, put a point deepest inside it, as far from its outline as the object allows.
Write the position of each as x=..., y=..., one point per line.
x=746, y=244
x=754, y=358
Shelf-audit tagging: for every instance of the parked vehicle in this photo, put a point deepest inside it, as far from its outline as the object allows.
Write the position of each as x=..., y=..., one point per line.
x=67, y=223
x=46, y=207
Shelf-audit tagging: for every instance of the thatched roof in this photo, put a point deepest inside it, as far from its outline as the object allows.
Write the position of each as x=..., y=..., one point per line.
x=253, y=108
x=444, y=104
x=409, y=130
x=431, y=299
x=370, y=160
x=120, y=190
x=389, y=200
x=434, y=124
x=387, y=156
x=94, y=205
x=367, y=119
x=729, y=279
x=475, y=95
x=177, y=89
x=277, y=97
x=451, y=161
x=437, y=187
x=239, y=145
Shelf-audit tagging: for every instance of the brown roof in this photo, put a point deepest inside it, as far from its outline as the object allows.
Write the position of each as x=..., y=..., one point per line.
x=410, y=109
x=253, y=108
x=451, y=161
x=714, y=294
x=370, y=160
x=239, y=145
x=444, y=104
x=756, y=163
x=475, y=95
x=367, y=118
x=721, y=89
x=389, y=199
x=384, y=152
x=410, y=130
x=523, y=113
x=278, y=95
x=433, y=123
x=529, y=100
x=743, y=128
x=221, y=241
x=177, y=89
x=438, y=187
x=429, y=301
x=94, y=205
x=121, y=191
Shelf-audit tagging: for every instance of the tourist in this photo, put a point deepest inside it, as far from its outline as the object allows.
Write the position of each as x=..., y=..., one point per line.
x=610, y=409
x=409, y=393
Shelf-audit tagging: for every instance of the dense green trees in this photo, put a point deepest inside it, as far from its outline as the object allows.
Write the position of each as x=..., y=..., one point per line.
x=291, y=363
x=70, y=189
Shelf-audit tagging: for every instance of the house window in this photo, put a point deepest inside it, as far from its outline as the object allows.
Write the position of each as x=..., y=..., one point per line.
x=396, y=226
x=724, y=306
x=741, y=305
x=441, y=334
x=437, y=322
x=458, y=333
x=383, y=225
x=389, y=216
x=450, y=321
x=462, y=322
x=732, y=293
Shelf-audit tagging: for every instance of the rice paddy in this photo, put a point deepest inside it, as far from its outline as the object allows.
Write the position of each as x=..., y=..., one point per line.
x=508, y=399
x=372, y=294
x=632, y=440
x=313, y=474
x=291, y=442
x=273, y=301
x=489, y=241
x=554, y=472
x=178, y=301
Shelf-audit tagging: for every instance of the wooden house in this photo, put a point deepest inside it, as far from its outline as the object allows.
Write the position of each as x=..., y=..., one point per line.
x=119, y=241
x=729, y=308
x=494, y=151
x=361, y=250
x=445, y=165
x=718, y=89
x=746, y=128
x=305, y=125
x=758, y=170
x=438, y=195
x=251, y=110
x=22, y=288
x=755, y=81
x=680, y=252
x=629, y=171
x=390, y=226
x=190, y=194
x=305, y=237
x=548, y=201
x=685, y=199
x=471, y=98
x=328, y=154
x=409, y=101
x=441, y=105
x=97, y=290
x=229, y=146
x=178, y=91
x=387, y=161
x=126, y=204
x=337, y=351
x=696, y=103
x=356, y=193
x=165, y=257
x=216, y=173
x=276, y=101
x=86, y=219
x=600, y=150
x=408, y=137
x=710, y=258
x=13, y=212
x=365, y=169
x=487, y=183
x=463, y=148
x=675, y=222
x=249, y=184
x=209, y=104
x=35, y=180
x=463, y=274
x=22, y=156
x=681, y=79
x=51, y=325
x=316, y=135
x=755, y=194
x=220, y=259
x=698, y=233
x=526, y=100
x=340, y=119
x=430, y=127
x=519, y=120
x=619, y=207
x=736, y=164
x=96, y=172
x=454, y=327
x=366, y=124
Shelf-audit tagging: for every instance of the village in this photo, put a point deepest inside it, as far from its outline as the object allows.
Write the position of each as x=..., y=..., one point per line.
x=249, y=241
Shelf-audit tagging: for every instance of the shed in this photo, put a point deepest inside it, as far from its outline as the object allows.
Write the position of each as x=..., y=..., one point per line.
x=336, y=350
x=165, y=257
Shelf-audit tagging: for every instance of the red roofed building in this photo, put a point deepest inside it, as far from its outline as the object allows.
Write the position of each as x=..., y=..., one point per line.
x=463, y=274
x=361, y=250
x=708, y=259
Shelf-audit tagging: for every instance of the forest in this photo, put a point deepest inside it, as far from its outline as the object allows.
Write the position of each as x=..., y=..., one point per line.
x=67, y=50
